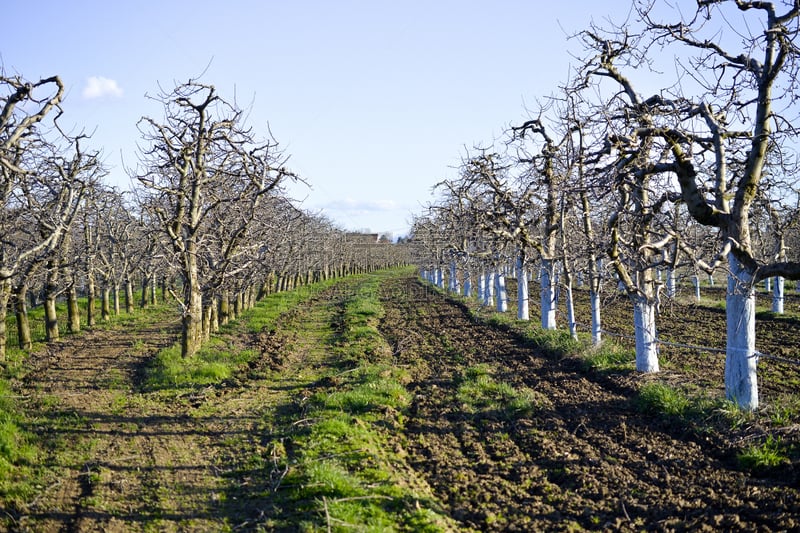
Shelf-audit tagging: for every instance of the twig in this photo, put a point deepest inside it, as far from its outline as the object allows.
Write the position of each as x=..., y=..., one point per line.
x=625, y=511
x=304, y=420
x=354, y=498
x=327, y=514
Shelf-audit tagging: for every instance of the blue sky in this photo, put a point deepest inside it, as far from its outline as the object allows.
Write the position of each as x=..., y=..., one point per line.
x=375, y=101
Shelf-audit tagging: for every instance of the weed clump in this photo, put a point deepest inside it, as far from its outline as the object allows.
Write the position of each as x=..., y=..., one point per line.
x=480, y=392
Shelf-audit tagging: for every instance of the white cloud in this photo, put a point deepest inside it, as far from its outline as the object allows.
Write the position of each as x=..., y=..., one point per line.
x=99, y=87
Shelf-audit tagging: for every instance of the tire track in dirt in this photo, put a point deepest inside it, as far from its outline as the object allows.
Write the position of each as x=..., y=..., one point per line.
x=585, y=459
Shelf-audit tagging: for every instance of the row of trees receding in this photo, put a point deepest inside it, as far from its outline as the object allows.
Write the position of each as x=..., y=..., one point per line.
x=208, y=218
x=637, y=168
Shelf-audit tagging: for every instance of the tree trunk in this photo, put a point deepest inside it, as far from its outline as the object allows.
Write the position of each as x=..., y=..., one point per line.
x=237, y=304
x=467, y=289
x=214, y=310
x=224, y=308
x=192, y=322
x=670, y=283
x=502, y=295
x=573, y=328
x=128, y=295
x=523, y=298
x=50, y=318
x=24, y=338
x=453, y=282
x=5, y=295
x=488, y=293
x=91, y=291
x=594, y=298
x=778, y=295
x=116, y=299
x=73, y=310
x=741, y=383
x=548, y=294
x=153, y=292
x=207, y=320
x=51, y=291
x=105, y=304
x=145, y=286
x=644, y=321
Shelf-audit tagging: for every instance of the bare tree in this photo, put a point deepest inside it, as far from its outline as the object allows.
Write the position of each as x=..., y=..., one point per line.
x=43, y=176
x=201, y=161
x=733, y=102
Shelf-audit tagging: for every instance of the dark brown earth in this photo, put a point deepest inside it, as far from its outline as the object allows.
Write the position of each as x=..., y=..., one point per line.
x=587, y=459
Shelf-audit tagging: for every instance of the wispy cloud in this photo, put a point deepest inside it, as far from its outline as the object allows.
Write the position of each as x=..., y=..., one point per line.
x=353, y=206
x=373, y=215
x=100, y=87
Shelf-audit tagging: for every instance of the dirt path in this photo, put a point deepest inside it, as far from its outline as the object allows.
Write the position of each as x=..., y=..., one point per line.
x=127, y=460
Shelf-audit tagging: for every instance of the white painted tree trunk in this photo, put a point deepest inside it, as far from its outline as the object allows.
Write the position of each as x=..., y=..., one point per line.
x=594, y=298
x=778, y=295
x=696, y=281
x=710, y=280
x=488, y=297
x=547, y=295
x=573, y=327
x=768, y=284
x=481, y=286
x=523, y=305
x=502, y=295
x=439, y=278
x=453, y=281
x=467, y=284
x=644, y=321
x=741, y=383
x=670, y=283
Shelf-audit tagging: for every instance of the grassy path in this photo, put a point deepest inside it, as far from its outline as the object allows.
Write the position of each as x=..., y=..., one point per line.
x=121, y=457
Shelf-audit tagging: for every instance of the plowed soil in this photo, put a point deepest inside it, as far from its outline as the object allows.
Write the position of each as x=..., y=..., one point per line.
x=585, y=459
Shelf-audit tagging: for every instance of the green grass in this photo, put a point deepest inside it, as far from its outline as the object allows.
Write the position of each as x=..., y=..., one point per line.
x=344, y=471
x=217, y=361
x=609, y=357
x=479, y=392
x=769, y=454
x=660, y=399
x=17, y=451
x=36, y=317
x=370, y=387
x=784, y=411
x=214, y=362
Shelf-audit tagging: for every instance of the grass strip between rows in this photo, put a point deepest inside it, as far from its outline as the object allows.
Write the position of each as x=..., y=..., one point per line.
x=347, y=469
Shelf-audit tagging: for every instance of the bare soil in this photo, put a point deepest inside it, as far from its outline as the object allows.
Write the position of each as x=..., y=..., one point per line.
x=588, y=459
x=124, y=459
